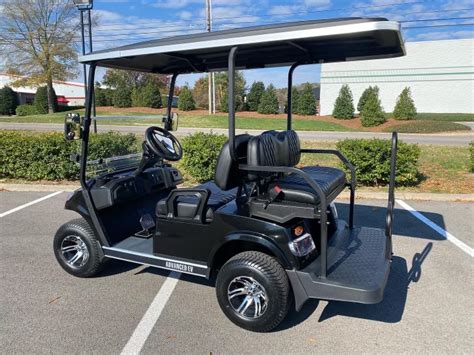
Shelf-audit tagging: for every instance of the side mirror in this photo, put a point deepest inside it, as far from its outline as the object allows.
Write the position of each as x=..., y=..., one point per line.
x=171, y=123
x=72, y=127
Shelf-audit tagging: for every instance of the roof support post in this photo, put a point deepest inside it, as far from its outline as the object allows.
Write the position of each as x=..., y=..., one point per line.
x=87, y=124
x=289, y=108
x=231, y=101
x=169, y=104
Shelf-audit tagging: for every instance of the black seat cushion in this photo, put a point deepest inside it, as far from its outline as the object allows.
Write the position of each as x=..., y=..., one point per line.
x=186, y=207
x=295, y=189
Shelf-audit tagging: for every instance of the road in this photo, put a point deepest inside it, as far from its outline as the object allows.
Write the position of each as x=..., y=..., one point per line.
x=428, y=305
x=451, y=139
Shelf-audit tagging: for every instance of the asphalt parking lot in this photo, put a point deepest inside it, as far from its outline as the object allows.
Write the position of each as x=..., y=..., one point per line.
x=428, y=304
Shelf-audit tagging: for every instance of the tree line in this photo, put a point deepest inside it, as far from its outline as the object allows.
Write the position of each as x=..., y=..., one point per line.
x=370, y=107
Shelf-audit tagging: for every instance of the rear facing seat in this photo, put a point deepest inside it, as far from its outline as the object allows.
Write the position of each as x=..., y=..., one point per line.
x=273, y=148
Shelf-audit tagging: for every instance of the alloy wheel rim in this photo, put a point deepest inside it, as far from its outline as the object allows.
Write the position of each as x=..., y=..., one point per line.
x=247, y=297
x=74, y=251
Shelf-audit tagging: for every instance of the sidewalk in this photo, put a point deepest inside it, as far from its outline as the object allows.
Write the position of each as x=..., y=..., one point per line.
x=360, y=193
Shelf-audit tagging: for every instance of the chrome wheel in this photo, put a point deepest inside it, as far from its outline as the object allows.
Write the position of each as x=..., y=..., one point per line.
x=247, y=297
x=74, y=251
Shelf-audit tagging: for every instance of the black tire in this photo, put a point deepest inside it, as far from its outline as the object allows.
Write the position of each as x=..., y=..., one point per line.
x=270, y=275
x=79, y=231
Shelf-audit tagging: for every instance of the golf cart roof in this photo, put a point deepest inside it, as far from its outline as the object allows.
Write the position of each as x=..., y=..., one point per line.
x=318, y=41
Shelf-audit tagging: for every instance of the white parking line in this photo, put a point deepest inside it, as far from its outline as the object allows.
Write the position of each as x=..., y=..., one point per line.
x=143, y=329
x=461, y=245
x=29, y=204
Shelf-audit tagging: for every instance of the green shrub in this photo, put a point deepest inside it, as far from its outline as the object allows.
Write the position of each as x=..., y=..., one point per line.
x=200, y=154
x=45, y=156
x=8, y=101
x=405, y=108
x=365, y=94
x=146, y=96
x=268, y=101
x=26, y=110
x=344, y=105
x=41, y=100
x=255, y=95
x=122, y=97
x=307, y=101
x=186, y=100
x=471, y=149
x=372, y=112
x=371, y=158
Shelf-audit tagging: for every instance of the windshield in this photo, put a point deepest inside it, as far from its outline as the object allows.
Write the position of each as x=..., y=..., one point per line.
x=117, y=146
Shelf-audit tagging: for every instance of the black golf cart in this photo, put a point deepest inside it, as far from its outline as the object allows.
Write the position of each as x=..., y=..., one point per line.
x=267, y=229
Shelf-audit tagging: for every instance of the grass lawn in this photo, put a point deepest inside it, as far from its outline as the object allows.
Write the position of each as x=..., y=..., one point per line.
x=427, y=127
x=190, y=120
x=424, y=123
x=453, y=117
x=443, y=169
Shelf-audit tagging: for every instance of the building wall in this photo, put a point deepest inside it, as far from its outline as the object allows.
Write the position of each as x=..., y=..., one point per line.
x=439, y=73
x=74, y=92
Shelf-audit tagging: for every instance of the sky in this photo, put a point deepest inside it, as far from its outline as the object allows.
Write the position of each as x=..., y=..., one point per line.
x=127, y=21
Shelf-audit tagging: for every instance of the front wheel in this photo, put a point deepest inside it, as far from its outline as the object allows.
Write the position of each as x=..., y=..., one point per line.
x=253, y=291
x=77, y=249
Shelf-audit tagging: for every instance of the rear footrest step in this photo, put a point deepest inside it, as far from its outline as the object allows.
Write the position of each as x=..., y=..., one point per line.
x=357, y=268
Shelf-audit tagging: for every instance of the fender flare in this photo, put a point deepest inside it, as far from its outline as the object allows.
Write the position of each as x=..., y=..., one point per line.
x=258, y=239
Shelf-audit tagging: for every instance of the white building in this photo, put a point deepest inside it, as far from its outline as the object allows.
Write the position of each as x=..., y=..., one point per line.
x=439, y=73
x=71, y=91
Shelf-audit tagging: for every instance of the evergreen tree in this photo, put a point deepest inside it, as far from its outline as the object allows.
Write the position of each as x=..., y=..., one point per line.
x=405, y=108
x=268, y=101
x=344, y=106
x=295, y=100
x=122, y=97
x=372, y=112
x=100, y=97
x=238, y=103
x=255, y=95
x=186, y=101
x=41, y=100
x=365, y=94
x=147, y=95
x=8, y=101
x=307, y=101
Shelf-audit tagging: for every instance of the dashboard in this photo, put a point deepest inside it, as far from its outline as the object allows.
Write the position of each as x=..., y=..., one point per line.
x=112, y=190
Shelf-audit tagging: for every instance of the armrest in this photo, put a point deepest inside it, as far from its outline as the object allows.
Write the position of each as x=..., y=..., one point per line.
x=341, y=157
x=285, y=169
x=202, y=194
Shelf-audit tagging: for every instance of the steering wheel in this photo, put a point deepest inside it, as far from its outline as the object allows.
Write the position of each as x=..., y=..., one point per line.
x=163, y=143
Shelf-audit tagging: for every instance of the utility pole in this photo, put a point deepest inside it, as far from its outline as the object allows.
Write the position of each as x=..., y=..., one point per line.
x=210, y=76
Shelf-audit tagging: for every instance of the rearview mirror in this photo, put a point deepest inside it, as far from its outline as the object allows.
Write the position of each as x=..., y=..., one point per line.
x=72, y=126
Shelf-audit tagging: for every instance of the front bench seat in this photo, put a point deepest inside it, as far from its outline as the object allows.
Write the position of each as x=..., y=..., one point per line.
x=186, y=206
x=222, y=190
x=273, y=148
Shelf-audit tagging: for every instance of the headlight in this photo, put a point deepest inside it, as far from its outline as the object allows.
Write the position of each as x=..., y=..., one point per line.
x=302, y=245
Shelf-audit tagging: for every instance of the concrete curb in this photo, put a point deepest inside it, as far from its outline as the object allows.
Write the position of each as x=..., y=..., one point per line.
x=360, y=194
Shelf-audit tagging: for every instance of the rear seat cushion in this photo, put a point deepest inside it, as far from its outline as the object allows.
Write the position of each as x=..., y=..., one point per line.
x=187, y=206
x=295, y=189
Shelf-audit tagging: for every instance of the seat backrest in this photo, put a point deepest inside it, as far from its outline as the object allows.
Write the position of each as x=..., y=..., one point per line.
x=227, y=174
x=273, y=148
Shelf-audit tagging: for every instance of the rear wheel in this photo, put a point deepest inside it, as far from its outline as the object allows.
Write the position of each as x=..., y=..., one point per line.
x=253, y=291
x=77, y=249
